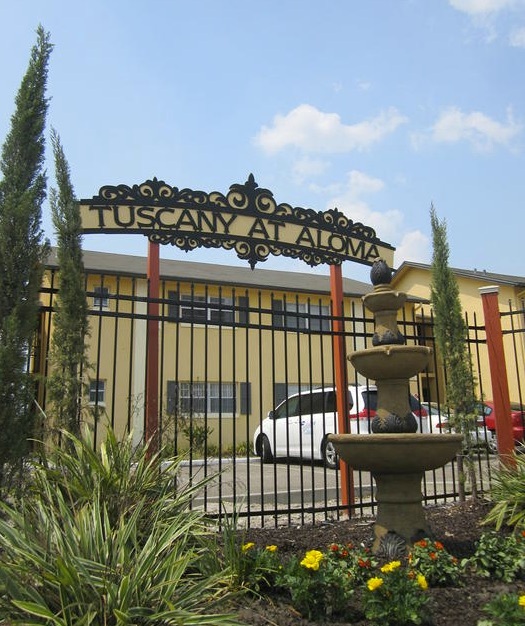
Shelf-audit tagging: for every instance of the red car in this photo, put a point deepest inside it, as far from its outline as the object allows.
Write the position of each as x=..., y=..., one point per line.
x=488, y=417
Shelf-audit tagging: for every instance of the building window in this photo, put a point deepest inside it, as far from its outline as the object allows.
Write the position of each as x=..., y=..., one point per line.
x=207, y=309
x=301, y=316
x=97, y=392
x=221, y=310
x=192, y=309
x=101, y=299
x=199, y=398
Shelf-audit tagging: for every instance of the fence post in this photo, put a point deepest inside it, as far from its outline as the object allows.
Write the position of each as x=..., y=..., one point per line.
x=498, y=374
x=152, y=357
x=341, y=386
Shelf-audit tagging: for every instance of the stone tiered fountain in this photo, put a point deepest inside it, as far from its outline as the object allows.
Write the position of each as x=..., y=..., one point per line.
x=395, y=454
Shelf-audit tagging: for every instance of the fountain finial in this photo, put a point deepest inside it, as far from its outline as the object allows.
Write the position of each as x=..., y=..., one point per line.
x=380, y=274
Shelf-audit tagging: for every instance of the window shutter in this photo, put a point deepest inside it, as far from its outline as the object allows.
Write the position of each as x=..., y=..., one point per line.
x=277, y=313
x=173, y=306
x=280, y=392
x=246, y=399
x=242, y=313
x=171, y=391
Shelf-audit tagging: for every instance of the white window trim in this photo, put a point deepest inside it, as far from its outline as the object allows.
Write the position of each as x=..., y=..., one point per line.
x=293, y=322
x=97, y=387
x=101, y=298
x=192, y=304
x=204, y=391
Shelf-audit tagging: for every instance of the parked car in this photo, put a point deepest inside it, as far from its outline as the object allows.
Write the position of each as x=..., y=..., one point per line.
x=299, y=426
x=484, y=429
x=487, y=418
x=436, y=415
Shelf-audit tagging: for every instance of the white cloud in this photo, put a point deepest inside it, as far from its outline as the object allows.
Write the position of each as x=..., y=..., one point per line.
x=488, y=16
x=477, y=128
x=363, y=85
x=481, y=7
x=415, y=246
x=311, y=130
x=389, y=225
x=517, y=37
x=306, y=168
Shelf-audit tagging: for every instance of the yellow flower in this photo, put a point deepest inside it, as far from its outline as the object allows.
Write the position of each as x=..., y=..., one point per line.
x=247, y=546
x=312, y=559
x=271, y=548
x=390, y=567
x=374, y=583
x=422, y=581
x=521, y=601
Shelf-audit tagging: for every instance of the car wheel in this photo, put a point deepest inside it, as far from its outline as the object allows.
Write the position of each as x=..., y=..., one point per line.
x=330, y=458
x=266, y=450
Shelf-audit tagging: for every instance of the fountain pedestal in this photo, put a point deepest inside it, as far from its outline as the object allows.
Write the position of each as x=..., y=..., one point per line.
x=398, y=463
x=395, y=454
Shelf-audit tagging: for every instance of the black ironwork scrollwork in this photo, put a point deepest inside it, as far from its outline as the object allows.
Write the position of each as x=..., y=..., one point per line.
x=246, y=199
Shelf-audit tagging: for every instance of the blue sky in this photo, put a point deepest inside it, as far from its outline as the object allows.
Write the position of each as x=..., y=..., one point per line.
x=377, y=107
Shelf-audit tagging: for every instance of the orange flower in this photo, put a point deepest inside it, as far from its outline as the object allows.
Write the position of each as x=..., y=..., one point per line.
x=423, y=543
x=433, y=556
x=438, y=545
x=334, y=547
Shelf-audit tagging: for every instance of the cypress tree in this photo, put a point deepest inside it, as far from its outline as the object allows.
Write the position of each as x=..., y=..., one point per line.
x=67, y=358
x=451, y=338
x=22, y=254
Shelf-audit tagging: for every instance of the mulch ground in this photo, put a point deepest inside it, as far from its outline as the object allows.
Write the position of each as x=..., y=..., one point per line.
x=457, y=526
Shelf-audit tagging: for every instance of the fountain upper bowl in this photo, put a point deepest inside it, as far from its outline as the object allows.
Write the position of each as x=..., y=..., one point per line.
x=391, y=361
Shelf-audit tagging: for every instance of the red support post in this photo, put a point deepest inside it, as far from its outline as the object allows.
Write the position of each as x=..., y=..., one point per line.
x=498, y=374
x=152, y=357
x=341, y=383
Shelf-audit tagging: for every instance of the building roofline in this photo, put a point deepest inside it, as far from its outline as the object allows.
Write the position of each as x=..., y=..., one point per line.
x=175, y=270
x=481, y=275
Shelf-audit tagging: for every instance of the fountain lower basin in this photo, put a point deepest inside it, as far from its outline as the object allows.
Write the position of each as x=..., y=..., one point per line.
x=397, y=453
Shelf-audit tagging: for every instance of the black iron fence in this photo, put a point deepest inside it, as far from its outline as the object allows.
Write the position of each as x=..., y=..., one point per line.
x=229, y=356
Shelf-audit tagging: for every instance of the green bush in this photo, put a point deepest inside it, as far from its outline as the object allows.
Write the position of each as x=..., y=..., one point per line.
x=430, y=558
x=508, y=494
x=498, y=556
x=507, y=609
x=107, y=538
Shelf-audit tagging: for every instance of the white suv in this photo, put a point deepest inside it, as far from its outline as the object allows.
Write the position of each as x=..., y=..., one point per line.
x=299, y=426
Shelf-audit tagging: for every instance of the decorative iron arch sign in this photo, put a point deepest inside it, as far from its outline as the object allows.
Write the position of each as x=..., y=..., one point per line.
x=247, y=219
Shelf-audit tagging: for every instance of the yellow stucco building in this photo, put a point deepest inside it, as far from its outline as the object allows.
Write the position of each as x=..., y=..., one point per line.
x=233, y=341
x=415, y=279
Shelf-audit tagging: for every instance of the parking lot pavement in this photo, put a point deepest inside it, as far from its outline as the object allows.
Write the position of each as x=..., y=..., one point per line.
x=257, y=488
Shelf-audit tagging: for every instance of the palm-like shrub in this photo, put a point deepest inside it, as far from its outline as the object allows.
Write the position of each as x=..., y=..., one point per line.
x=508, y=494
x=107, y=538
